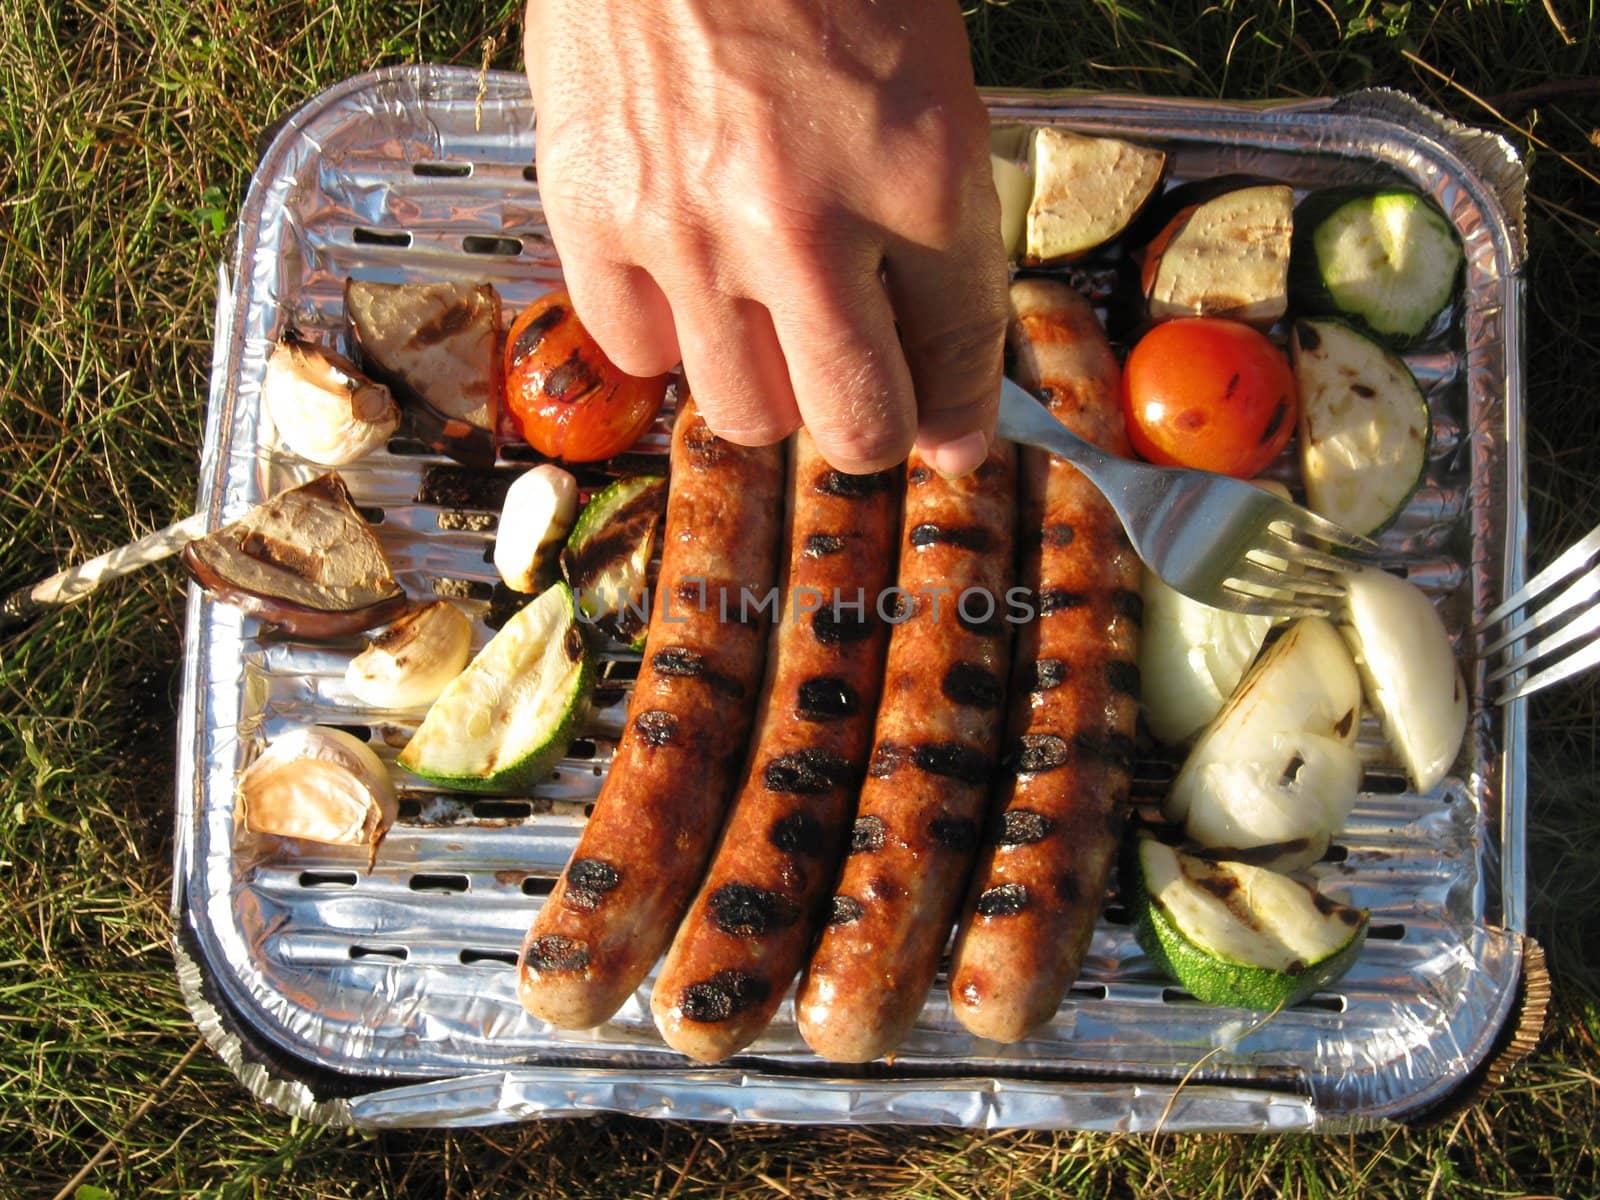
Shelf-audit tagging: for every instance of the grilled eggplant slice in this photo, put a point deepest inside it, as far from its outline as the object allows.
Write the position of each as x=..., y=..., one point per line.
x=304, y=561
x=1226, y=257
x=1086, y=191
x=437, y=345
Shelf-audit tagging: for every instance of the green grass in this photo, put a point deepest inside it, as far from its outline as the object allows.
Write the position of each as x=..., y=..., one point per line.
x=127, y=135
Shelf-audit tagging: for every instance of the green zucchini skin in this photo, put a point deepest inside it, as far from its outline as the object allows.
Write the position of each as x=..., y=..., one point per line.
x=1309, y=291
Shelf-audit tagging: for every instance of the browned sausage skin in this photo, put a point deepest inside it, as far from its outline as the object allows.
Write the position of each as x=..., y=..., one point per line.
x=921, y=810
x=752, y=922
x=1040, y=881
x=642, y=852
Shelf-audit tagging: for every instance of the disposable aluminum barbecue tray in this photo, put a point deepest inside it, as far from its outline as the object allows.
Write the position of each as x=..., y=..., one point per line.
x=385, y=997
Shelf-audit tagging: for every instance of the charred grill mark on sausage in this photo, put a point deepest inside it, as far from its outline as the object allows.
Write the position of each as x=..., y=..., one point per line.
x=826, y=698
x=965, y=537
x=972, y=685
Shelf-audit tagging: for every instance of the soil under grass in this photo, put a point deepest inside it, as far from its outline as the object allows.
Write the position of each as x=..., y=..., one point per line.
x=127, y=135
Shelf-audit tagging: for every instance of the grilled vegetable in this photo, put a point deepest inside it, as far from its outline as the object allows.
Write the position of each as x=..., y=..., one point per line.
x=569, y=400
x=325, y=410
x=304, y=561
x=1386, y=258
x=510, y=715
x=409, y=663
x=1267, y=778
x=1237, y=934
x=1191, y=657
x=607, y=558
x=319, y=785
x=535, y=518
x=1225, y=257
x=1086, y=190
x=1363, y=425
x=437, y=345
x=1409, y=671
x=1209, y=393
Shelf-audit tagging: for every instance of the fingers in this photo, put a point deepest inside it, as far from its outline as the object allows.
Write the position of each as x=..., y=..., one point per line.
x=952, y=308
x=735, y=369
x=625, y=310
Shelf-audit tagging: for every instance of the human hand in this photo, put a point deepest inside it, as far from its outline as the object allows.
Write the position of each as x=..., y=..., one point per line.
x=763, y=191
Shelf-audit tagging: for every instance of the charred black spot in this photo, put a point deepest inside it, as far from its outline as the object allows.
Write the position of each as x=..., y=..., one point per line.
x=1126, y=603
x=1123, y=678
x=572, y=380
x=820, y=545
x=533, y=333
x=724, y=995
x=1365, y=391
x=798, y=833
x=1044, y=675
x=833, y=626
x=867, y=834
x=992, y=625
x=1053, y=600
x=953, y=833
x=1232, y=385
x=806, y=773
x=887, y=758
x=675, y=660
x=552, y=952
x=704, y=448
x=1037, y=752
x=1291, y=769
x=918, y=476
x=593, y=874
x=1057, y=536
x=1345, y=724
x=853, y=487
x=826, y=698
x=952, y=760
x=1276, y=423
x=1068, y=887
x=1023, y=827
x=845, y=910
x=740, y=910
x=1307, y=335
x=973, y=685
x=965, y=537
x=1007, y=900
x=572, y=644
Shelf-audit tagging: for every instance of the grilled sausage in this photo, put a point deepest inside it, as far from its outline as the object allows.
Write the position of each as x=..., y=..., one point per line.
x=643, y=850
x=749, y=928
x=921, y=810
x=1040, y=880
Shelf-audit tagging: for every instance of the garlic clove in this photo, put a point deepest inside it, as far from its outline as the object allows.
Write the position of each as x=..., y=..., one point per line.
x=535, y=518
x=324, y=408
x=412, y=661
x=318, y=785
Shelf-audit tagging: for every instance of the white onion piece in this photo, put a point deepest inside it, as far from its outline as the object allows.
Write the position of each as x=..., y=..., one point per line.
x=539, y=510
x=414, y=659
x=325, y=410
x=1015, y=185
x=1305, y=682
x=1409, y=671
x=319, y=785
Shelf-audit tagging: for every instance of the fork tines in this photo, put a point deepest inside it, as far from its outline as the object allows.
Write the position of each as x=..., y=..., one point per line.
x=1565, y=616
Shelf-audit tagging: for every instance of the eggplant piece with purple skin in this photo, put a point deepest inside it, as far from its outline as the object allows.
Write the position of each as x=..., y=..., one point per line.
x=437, y=347
x=304, y=561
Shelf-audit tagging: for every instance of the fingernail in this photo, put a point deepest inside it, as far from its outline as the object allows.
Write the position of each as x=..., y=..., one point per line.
x=961, y=457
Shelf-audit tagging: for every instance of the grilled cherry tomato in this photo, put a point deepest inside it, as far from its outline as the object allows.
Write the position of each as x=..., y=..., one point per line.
x=1210, y=393
x=568, y=399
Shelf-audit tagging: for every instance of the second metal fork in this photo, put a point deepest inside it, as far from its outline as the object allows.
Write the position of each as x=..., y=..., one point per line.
x=1218, y=540
x=1563, y=618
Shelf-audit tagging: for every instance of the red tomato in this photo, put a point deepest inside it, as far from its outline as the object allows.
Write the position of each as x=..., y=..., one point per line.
x=568, y=399
x=1210, y=393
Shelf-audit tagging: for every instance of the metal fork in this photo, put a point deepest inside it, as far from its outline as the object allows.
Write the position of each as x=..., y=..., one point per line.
x=1565, y=617
x=1218, y=540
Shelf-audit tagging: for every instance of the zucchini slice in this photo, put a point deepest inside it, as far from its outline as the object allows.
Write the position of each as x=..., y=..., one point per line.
x=1237, y=934
x=1387, y=258
x=511, y=714
x=1364, y=425
x=607, y=558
